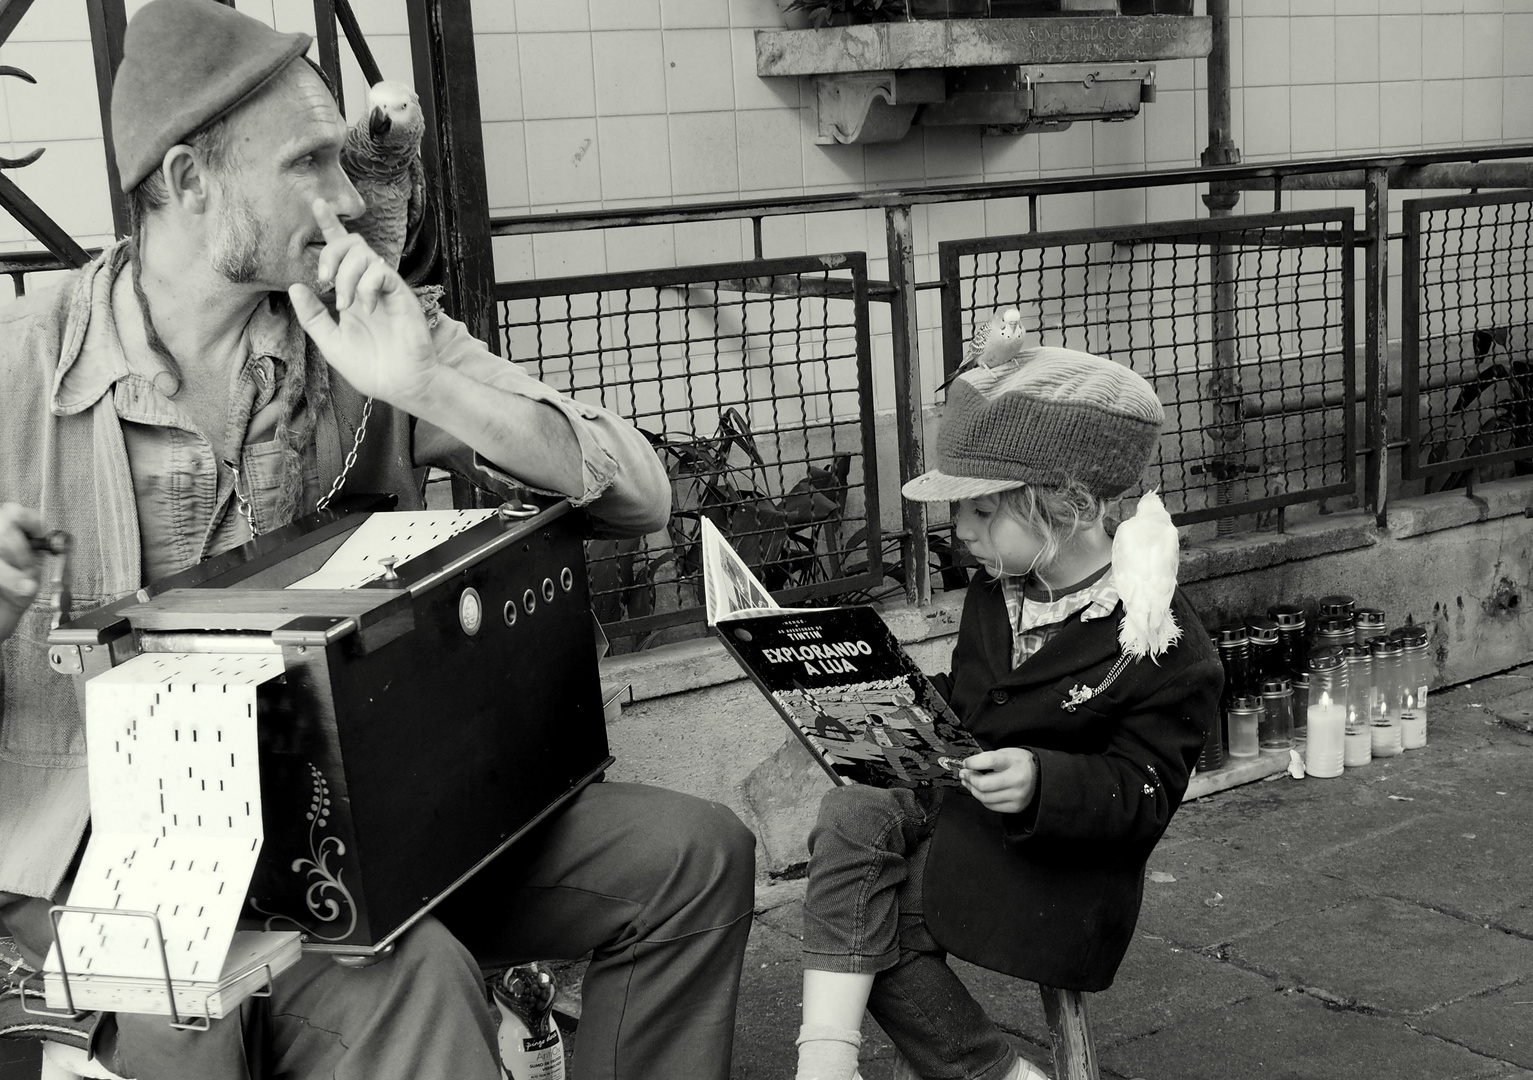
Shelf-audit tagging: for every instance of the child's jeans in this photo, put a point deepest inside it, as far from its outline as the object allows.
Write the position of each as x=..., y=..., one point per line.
x=863, y=913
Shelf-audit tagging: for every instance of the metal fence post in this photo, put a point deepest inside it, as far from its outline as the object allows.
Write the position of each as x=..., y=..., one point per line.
x=1376, y=342
x=909, y=423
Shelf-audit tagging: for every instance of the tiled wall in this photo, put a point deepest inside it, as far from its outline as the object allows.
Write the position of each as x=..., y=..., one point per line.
x=613, y=103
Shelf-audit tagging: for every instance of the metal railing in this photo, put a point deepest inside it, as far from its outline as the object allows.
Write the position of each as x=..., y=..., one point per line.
x=1259, y=398
x=1467, y=337
x=753, y=382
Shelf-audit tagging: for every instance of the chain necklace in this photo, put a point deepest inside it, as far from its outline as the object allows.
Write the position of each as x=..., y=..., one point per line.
x=351, y=457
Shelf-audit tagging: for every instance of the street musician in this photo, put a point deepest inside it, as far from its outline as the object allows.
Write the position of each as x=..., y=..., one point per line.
x=187, y=390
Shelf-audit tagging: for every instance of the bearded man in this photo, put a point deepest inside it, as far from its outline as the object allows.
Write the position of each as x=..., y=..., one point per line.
x=188, y=390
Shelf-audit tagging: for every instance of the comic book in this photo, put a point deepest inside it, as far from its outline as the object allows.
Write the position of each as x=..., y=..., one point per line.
x=839, y=679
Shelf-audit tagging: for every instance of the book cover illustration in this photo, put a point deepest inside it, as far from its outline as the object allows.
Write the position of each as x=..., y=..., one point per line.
x=839, y=678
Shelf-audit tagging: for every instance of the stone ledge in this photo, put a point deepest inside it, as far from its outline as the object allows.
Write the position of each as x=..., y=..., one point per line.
x=1449, y=509
x=1255, y=551
x=945, y=43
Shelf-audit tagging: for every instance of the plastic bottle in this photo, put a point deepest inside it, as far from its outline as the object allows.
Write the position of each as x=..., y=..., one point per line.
x=1325, y=747
x=531, y=1047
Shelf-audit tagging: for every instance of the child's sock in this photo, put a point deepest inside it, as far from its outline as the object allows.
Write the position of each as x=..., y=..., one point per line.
x=827, y=1053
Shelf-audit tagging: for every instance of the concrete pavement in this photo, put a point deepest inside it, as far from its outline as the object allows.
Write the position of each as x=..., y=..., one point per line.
x=1376, y=925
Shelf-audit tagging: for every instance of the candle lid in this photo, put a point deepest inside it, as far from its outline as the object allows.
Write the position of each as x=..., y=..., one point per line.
x=1287, y=616
x=1262, y=630
x=1367, y=616
x=1276, y=687
x=1356, y=653
x=1328, y=659
x=1336, y=624
x=1246, y=702
x=1409, y=636
x=1228, y=636
x=1301, y=680
x=1335, y=605
x=1382, y=646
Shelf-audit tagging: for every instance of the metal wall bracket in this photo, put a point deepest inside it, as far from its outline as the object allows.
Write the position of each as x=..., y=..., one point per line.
x=1032, y=97
x=872, y=106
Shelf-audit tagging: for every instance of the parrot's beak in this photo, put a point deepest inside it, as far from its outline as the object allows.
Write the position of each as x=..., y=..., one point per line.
x=378, y=123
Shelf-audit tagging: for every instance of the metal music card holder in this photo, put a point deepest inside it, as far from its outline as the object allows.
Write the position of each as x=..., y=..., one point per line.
x=194, y=1023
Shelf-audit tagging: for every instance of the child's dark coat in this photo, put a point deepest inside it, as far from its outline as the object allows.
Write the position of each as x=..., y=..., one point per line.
x=1052, y=894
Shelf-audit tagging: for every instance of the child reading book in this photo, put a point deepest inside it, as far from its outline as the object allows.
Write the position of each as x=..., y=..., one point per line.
x=1086, y=678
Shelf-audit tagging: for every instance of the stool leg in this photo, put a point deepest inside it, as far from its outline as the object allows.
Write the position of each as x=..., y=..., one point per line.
x=1075, y=1057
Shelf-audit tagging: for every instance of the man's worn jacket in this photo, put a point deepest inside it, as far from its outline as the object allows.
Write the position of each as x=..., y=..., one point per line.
x=1052, y=894
x=71, y=399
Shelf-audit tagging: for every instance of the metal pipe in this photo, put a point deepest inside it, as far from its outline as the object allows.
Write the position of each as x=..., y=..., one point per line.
x=1468, y=174
x=908, y=413
x=1376, y=340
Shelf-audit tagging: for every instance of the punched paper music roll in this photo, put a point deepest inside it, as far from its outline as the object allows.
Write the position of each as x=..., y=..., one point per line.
x=402, y=535
x=176, y=826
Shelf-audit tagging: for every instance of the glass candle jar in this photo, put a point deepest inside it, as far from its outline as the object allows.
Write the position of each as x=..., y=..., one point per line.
x=1367, y=623
x=1292, y=634
x=1266, y=649
x=1415, y=677
x=1384, y=716
x=1359, y=666
x=1300, y=704
x=1243, y=720
x=1325, y=745
x=1212, y=755
x=1235, y=655
x=1334, y=631
x=1276, y=731
x=1335, y=607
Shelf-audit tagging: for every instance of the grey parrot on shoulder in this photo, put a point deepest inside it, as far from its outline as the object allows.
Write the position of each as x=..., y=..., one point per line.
x=382, y=156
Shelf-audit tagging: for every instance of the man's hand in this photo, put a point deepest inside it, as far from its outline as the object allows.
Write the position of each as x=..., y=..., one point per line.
x=19, y=564
x=380, y=342
x=1003, y=780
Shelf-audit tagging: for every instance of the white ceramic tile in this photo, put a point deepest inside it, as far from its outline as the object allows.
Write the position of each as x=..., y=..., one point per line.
x=1057, y=213
x=770, y=146
x=751, y=90
x=703, y=155
x=1010, y=157
x=1399, y=47
x=1442, y=112
x=494, y=16
x=1357, y=7
x=384, y=17
x=1312, y=50
x=890, y=164
x=693, y=14
x=53, y=22
x=541, y=16
x=499, y=65
x=1399, y=114
x=624, y=14
x=1357, y=48
x=629, y=72
x=1266, y=121
x=1312, y=8
x=1125, y=206
x=1442, y=7
x=831, y=166
x=1399, y=7
x=1006, y=217
x=558, y=76
x=700, y=242
x=1265, y=53
x=953, y=221
x=567, y=254
x=1442, y=46
x=1482, y=110
x=1119, y=145
x=953, y=154
x=643, y=248
x=699, y=74
x=256, y=9
x=1068, y=150
x=1517, y=109
x=1313, y=123
x=1264, y=9
x=505, y=166
x=1517, y=52
x=764, y=14
x=1482, y=46
x=635, y=157
x=62, y=104
x=513, y=261
x=69, y=184
x=1175, y=74
x=1178, y=203
x=563, y=161
x=292, y=16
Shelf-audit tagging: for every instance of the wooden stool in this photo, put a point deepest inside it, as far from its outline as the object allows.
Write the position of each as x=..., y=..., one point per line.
x=1075, y=1058
x=64, y=1062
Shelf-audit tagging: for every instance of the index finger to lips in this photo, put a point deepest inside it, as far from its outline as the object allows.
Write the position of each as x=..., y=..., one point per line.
x=329, y=225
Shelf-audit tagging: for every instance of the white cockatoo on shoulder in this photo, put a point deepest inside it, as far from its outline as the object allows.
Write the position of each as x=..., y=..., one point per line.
x=1145, y=554
x=382, y=156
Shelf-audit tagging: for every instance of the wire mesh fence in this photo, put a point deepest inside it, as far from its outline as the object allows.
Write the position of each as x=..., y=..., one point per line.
x=1466, y=373
x=1243, y=326
x=752, y=382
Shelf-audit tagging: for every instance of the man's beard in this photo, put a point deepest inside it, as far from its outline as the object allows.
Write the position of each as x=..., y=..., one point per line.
x=238, y=242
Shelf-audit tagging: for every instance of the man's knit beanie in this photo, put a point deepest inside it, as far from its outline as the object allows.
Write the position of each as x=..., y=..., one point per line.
x=1049, y=416
x=184, y=64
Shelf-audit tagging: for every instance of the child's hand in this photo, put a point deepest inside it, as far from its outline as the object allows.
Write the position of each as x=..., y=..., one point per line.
x=1002, y=780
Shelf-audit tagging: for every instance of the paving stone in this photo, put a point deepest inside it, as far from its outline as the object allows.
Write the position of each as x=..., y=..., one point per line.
x=1290, y=1036
x=1466, y=863
x=1498, y=1025
x=1227, y=891
x=1385, y=954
